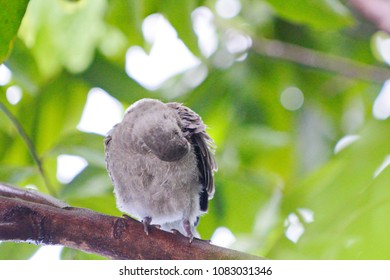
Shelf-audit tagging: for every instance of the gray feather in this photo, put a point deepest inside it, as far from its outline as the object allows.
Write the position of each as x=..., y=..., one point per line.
x=161, y=162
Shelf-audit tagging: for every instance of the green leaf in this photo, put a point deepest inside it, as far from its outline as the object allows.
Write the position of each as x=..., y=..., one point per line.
x=349, y=202
x=320, y=14
x=127, y=16
x=87, y=145
x=15, y=174
x=60, y=104
x=24, y=68
x=72, y=254
x=91, y=182
x=17, y=251
x=66, y=34
x=104, y=204
x=58, y=110
x=113, y=79
x=11, y=15
x=178, y=14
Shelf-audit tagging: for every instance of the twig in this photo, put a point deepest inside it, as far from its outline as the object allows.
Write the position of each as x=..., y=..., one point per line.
x=30, y=147
x=377, y=11
x=92, y=232
x=319, y=60
x=9, y=191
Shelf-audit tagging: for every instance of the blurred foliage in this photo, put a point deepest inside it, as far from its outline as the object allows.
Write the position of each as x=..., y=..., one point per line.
x=281, y=189
x=11, y=15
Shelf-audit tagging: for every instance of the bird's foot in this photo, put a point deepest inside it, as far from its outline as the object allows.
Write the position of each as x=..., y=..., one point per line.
x=177, y=232
x=146, y=222
x=187, y=229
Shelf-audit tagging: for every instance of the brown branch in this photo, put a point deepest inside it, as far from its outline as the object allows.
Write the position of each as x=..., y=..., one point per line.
x=319, y=60
x=25, y=217
x=9, y=191
x=376, y=11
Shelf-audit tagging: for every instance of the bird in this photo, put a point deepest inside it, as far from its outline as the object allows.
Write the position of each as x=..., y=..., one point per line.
x=161, y=163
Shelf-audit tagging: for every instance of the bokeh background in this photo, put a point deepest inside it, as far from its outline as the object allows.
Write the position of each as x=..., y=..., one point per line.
x=294, y=94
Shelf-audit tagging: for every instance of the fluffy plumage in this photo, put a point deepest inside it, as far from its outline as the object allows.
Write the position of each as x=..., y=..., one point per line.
x=160, y=160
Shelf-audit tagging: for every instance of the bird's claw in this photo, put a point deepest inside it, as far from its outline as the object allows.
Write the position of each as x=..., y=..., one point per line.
x=190, y=236
x=146, y=222
x=187, y=229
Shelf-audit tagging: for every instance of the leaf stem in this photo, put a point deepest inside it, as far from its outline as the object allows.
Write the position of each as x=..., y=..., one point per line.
x=30, y=147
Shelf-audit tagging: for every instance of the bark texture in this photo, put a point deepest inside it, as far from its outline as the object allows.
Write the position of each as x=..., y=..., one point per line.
x=28, y=216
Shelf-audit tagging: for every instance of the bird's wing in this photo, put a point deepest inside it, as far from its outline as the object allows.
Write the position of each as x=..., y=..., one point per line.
x=195, y=131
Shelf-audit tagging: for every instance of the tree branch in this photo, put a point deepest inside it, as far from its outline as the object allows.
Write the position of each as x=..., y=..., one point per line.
x=319, y=60
x=27, y=216
x=9, y=191
x=376, y=11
